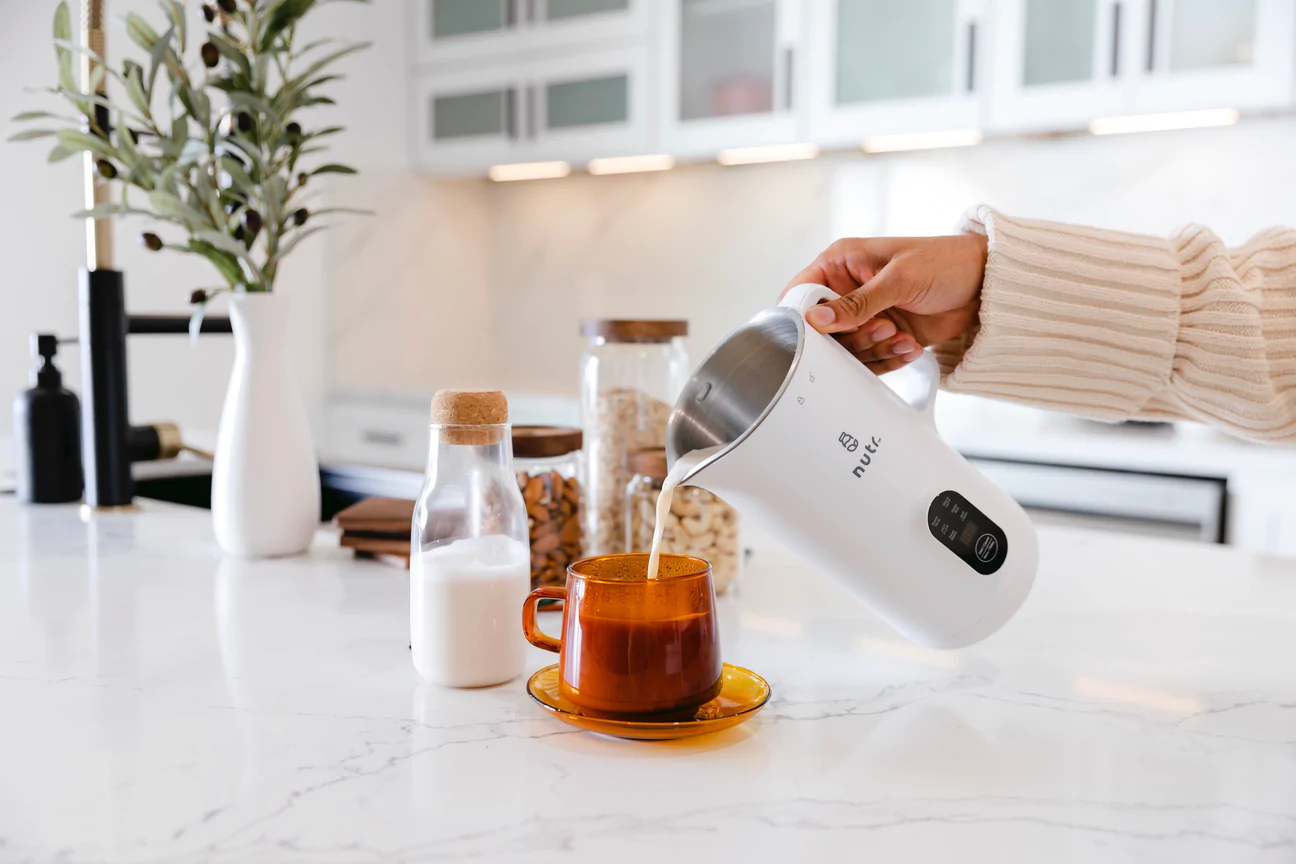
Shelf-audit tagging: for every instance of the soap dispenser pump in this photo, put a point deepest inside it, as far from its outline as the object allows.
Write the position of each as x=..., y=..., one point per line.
x=47, y=433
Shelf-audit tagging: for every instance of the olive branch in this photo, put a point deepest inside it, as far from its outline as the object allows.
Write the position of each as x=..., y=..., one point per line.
x=220, y=154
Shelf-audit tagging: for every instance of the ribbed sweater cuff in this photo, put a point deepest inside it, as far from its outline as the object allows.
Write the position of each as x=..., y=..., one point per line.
x=1075, y=319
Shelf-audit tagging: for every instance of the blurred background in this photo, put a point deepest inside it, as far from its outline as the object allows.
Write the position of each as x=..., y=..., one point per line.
x=487, y=134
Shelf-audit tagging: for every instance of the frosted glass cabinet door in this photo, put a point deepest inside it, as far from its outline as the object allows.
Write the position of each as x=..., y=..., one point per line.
x=1214, y=54
x=729, y=73
x=587, y=105
x=1060, y=63
x=453, y=31
x=895, y=67
x=469, y=121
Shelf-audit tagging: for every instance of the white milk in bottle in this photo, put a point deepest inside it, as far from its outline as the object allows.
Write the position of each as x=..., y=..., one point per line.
x=470, y=562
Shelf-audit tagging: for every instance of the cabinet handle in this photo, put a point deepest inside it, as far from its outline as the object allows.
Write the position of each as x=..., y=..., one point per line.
x=789, y=65
x=1151, y=36
x=971, y=56
x=531, y=111
x=382, y=437
x=510, y=113
x=1116, y=39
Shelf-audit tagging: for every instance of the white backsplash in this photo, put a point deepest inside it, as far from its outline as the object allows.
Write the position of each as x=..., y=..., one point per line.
x=470, y=283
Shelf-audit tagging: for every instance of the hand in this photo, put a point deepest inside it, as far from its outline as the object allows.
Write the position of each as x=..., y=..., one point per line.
x=898, y=294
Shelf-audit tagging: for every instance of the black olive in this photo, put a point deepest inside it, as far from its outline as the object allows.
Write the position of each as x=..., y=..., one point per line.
x=106, y=169
x=252, y=222
x=150, y=241
x=209, y=13
x=198, y=296
x=299, y=217
x=293, y=129
x=210, y=55
x=244, y=120
x=227, y=6
x=301, y=178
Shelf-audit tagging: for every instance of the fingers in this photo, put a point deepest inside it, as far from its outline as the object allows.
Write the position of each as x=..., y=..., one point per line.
x=869, y=334
x=881, y=367
x=855, y=308
x=902, y=347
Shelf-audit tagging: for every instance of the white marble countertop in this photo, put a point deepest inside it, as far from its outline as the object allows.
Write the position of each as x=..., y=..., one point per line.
x=161, y=703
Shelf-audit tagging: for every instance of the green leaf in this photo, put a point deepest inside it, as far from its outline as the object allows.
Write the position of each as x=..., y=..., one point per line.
x=175, y=12
x=99, y=211
x=252, y=102
x=36, y=115
x=334, y=168
x=355, y=210
x=315, y=68
x=59, y=153
x=140, y=32
x=227, y=264
x=239, y=178
x=125, y=146
x=229, y=49
x=170, y=206
x=179, y=132
x=63, y=33
x=158, y=53
x=31, y=134
x=135, y=88
x=193, y=150
x=221, y=241
x=75, y=139
x=320, y=133
x=281, y=17
x=296, y=238
x=196, y=103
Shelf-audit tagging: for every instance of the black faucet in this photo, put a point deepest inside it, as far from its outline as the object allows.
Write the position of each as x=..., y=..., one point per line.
x=105, y=419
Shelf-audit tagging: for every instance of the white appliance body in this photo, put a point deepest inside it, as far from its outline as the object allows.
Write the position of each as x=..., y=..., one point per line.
x=858, y=483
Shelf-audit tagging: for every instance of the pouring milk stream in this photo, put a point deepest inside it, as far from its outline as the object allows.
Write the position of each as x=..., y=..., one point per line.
x=786, y=425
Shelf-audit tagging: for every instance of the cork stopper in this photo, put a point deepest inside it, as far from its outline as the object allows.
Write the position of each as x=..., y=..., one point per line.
x=650, y=463
x=630, y=330
x=467, y=416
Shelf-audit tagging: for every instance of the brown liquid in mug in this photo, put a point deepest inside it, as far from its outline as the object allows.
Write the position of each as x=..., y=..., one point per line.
x=662, y=656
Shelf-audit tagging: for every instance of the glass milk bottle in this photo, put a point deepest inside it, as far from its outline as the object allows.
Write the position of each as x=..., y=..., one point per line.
x=470, y=566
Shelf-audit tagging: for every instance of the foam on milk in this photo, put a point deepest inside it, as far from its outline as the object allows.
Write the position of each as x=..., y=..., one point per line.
x=683, y=466
x=464, y=611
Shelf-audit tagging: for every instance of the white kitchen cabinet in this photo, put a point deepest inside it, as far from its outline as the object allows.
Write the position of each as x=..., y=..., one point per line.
x=1212, y=54
x=879, y=67
x=572, y=108
x=729, y=74
x=466, y=31
x=1057, y=64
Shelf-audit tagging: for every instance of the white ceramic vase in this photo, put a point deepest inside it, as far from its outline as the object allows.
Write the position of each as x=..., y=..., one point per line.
x=265, y=483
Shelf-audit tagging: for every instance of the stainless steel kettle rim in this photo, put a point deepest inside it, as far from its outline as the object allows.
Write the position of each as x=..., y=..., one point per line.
x=737, y=385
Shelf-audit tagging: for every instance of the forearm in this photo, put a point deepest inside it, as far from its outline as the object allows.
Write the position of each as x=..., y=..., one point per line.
x=1114, y=325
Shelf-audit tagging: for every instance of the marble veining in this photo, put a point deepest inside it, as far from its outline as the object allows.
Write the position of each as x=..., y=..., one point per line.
x=161, y=703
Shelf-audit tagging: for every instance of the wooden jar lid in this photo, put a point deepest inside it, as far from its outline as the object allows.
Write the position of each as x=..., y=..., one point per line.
x=650, y=463
x=628, y=330
x=462, y=411
x=542, y=442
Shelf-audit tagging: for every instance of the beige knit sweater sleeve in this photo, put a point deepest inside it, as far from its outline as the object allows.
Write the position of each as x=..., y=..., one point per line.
x=1116, y=326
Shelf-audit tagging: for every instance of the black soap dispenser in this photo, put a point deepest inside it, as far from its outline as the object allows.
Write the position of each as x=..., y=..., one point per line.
x=47, y=433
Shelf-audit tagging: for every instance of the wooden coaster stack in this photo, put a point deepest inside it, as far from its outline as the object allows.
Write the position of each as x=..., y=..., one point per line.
x=378, y=528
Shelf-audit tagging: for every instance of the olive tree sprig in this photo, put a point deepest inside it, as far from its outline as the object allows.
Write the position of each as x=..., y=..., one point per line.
x=220, y=152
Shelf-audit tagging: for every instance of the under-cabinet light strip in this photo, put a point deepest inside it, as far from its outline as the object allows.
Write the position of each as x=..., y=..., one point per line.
x=768, y=153
x=528, y=171
x=631, y=164
x=1164, y=122
x=923, y=141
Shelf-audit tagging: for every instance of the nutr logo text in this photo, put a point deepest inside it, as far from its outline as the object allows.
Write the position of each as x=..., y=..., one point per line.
x=851, y=443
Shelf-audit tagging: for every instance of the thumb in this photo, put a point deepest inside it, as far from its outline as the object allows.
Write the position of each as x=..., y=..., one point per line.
x=849, y=311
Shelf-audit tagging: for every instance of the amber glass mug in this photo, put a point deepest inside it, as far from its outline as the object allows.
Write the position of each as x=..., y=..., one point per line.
x=632, y=646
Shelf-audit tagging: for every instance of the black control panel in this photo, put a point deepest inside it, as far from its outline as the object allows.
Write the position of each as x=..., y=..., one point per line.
x=965, y=531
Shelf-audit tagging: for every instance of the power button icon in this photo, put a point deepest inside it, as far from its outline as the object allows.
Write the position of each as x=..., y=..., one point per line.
x=987, y=546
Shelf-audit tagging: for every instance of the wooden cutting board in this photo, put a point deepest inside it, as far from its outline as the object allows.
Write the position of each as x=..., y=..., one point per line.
x=389, y=517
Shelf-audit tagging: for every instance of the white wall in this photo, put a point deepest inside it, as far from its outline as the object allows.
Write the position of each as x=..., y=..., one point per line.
x=42, y=247
x=716, y=244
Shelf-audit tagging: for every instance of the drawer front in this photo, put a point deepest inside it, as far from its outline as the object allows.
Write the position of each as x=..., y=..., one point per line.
x=385, y=435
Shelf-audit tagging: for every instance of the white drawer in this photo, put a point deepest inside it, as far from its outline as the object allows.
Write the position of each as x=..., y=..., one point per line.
x=384, y=434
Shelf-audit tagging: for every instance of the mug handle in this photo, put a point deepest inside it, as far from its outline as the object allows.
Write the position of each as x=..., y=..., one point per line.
x=807, y=295
x=532, y=631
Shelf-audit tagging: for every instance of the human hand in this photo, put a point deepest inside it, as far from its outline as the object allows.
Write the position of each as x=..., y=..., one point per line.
x=897, y=294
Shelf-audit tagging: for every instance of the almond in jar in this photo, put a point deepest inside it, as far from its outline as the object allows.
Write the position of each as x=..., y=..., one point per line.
x=550, y=473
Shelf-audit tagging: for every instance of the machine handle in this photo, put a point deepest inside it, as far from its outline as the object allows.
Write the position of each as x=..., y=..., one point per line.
x=807, y=295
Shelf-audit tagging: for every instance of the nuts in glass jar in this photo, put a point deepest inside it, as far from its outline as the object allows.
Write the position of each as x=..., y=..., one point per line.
x=547, y=462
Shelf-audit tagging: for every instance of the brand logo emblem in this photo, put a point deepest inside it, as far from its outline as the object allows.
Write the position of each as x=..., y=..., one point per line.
x=869, y=450
x=849, y=441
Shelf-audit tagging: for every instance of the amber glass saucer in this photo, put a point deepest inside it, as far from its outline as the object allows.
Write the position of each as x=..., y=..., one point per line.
x=742, y=694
